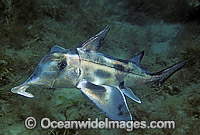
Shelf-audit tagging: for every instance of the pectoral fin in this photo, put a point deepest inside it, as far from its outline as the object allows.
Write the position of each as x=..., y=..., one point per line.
x=108, y=98
x=91, y=86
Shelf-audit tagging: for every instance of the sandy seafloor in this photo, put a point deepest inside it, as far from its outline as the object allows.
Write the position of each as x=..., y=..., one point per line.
x=167, y=31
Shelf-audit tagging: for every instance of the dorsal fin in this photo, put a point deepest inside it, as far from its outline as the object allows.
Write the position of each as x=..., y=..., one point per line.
x=137, y=58
x=94, y=43
x=57, y=48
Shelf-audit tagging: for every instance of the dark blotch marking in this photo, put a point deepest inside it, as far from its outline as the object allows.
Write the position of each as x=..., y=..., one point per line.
x=120, y=107
x=94, y=87
x=120, y=113
x=121, y=85
x=102, y=74
x=119, y=67
x=124, y=61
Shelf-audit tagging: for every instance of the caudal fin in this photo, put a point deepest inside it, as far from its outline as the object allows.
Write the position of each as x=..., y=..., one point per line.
x=160, y=77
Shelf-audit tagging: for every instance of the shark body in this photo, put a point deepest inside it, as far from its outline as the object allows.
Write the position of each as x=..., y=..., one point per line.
x=102, y=78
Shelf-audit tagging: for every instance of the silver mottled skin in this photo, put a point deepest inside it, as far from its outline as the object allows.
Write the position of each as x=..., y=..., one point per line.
x=131, y=74
x=104, y=79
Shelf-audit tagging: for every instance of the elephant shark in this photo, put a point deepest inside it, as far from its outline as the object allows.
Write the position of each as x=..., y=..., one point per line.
x=104, y=79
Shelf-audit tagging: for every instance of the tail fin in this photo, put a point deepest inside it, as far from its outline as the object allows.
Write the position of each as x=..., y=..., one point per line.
x=160, y=77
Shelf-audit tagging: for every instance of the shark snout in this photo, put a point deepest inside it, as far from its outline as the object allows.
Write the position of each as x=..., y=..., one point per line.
x=32, y=81
x=21, y=90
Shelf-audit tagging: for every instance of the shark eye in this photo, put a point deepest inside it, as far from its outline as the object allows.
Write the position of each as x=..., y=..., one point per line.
x=62, y=64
